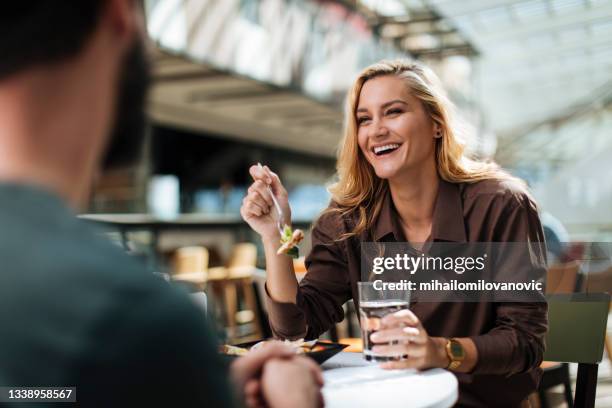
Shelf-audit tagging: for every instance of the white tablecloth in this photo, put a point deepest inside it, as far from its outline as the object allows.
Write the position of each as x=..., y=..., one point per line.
x=352, y=382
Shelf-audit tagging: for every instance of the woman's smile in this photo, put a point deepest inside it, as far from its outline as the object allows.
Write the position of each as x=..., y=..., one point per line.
x=385, y=149
x=386, y=154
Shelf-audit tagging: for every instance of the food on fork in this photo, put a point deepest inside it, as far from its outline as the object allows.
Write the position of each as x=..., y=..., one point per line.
x=289, y=241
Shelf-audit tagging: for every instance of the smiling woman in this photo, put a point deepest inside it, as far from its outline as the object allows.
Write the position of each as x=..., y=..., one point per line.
x=403, y=176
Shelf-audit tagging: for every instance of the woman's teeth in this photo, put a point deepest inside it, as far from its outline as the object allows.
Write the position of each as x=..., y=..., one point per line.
x=385, y=149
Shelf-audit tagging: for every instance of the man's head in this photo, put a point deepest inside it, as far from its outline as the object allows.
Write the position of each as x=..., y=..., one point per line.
x=40, y=33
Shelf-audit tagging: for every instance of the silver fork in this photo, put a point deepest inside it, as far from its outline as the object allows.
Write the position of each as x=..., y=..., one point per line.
x=280, y=219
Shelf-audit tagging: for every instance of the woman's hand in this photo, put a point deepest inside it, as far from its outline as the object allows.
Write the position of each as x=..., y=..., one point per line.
x=258, y=208
x=402, y=335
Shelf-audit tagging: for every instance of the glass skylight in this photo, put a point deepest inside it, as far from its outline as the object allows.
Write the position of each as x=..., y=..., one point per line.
x=497, y=17
x=567, y=6
x=530, y=10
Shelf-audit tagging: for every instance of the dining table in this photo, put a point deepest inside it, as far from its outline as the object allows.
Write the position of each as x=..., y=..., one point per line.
x=353, y=382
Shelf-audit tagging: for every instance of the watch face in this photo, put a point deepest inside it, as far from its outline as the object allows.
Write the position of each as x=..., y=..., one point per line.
x=456, y=349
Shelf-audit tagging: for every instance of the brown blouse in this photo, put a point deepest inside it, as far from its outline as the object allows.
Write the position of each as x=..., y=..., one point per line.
x=509, y=337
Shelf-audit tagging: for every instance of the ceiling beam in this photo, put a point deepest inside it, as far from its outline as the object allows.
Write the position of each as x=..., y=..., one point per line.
x=456, y=8
x=395, y=30
x=411, y=17
x=184, y=116
x=188, y=75
x=444, y=51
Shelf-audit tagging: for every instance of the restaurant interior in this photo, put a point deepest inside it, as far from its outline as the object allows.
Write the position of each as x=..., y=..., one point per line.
x=263, y=81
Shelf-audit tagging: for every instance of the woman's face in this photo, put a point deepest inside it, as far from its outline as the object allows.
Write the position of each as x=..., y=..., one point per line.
x=394, y=132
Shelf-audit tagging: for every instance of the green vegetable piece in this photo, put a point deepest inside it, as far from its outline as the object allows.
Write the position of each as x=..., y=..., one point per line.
x=287, y=233
x=294, y=252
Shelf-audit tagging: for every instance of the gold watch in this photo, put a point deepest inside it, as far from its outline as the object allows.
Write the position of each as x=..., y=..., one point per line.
x=455, y=353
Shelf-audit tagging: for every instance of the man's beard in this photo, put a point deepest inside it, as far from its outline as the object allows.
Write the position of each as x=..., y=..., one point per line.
x=127, y=136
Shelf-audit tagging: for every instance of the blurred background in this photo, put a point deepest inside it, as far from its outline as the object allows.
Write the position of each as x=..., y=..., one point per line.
x=238, y=82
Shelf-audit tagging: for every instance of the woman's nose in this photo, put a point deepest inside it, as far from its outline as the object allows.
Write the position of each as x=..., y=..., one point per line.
x=378, y=129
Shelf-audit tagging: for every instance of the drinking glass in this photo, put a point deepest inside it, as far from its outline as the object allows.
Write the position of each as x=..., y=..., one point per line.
x=374, y=304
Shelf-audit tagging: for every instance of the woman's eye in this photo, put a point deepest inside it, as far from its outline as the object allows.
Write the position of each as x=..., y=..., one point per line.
x=393, y=111
x=362, y=120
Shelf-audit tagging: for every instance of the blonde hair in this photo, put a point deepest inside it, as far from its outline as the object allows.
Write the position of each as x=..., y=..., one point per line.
x=358, y=189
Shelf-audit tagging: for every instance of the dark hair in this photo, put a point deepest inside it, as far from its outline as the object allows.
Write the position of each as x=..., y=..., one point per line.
x=34, y=32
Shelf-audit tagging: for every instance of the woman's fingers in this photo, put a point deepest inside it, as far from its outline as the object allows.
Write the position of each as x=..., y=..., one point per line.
x=401, y=318
x=404, y=334
x=400, y=350
x=259, y=173
x=259, y=191
x=253, y=208
x=266, y=182
x=270, y=178
x=403, y=364
x=275, y=183
x=257, y=202
x=401, y=335
x=260, y=188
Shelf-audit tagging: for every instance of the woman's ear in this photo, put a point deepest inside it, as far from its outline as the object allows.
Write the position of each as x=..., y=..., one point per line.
x=437, y=131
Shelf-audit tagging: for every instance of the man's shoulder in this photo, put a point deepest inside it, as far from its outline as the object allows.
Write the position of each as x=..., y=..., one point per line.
x=113, y=281
x=86, y=303
x=83, y=256
x=43, y=239
x=73, y=266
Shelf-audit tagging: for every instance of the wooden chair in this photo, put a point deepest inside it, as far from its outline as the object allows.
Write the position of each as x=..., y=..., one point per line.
x=190, y=265
x=562, y=278
x=576, y=331
x=234, y=281
x=243, y=254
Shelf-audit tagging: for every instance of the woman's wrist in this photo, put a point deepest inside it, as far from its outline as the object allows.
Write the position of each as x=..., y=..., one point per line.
x=271, y=239
x=440, y=357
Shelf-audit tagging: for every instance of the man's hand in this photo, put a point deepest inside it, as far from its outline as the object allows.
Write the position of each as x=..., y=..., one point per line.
x=246, y=371
x=292, y=383
x=256, y=378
